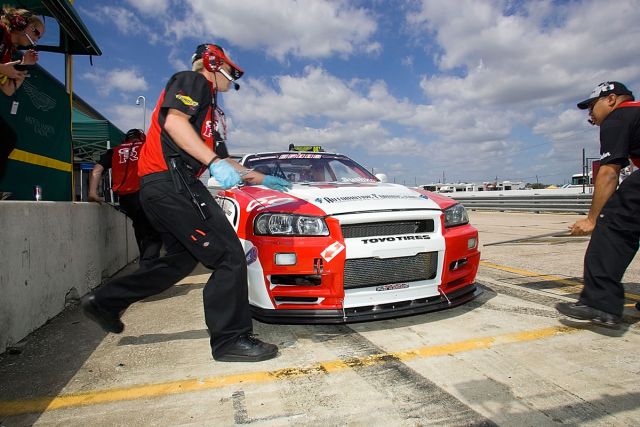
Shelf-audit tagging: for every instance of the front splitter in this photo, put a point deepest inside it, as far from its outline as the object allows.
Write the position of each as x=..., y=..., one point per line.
x=368, y=313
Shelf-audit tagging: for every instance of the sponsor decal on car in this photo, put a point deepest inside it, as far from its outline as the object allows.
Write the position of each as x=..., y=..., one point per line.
x=268, y=202
x=300, y=156
x=369, y=197
x=252, y=255
x=392, y=287
x=393, y=239
x=331, y=251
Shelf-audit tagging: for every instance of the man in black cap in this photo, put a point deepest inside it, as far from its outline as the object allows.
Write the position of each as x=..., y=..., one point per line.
x=186, y=137
x=614, y=218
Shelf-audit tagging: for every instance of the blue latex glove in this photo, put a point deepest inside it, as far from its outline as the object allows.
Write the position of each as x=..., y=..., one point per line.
x=275, y=183
x=226, y=175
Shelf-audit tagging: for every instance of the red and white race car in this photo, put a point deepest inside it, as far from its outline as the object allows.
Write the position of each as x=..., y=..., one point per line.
x=341, y=246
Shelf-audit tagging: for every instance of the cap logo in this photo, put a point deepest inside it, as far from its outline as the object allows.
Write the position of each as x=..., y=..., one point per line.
x=604, y=87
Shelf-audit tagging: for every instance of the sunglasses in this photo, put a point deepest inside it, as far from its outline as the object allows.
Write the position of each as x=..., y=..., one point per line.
x=593, y=104
x=36, y=31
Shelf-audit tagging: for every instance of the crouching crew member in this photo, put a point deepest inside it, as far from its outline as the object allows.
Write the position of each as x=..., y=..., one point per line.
x=614, y=218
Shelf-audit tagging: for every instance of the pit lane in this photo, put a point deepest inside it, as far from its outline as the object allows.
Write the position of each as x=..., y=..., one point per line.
x=506, y=358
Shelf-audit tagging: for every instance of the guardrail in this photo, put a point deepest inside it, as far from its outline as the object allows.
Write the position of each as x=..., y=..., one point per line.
x=575, y=203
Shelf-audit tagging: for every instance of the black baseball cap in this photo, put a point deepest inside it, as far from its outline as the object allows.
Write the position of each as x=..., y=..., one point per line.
x=604, y=89
x=236, y=72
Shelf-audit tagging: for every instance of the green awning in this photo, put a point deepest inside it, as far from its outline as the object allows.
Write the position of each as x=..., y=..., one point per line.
x=75, y=39
x=91, y=137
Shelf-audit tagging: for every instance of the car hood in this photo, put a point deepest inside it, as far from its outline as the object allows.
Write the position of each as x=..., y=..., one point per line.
x=358, y=197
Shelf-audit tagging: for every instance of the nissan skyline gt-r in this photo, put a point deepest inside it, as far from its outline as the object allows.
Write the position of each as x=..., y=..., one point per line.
x=342, y=246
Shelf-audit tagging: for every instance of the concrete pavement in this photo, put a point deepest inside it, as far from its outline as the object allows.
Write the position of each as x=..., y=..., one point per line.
x=506, y=358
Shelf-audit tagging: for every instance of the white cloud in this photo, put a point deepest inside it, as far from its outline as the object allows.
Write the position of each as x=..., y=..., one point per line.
x=302, y=28
x=128, y=116
x=316, y=94
x=126, y=21
x=507, y=65
x=543, y=53
x=154, y=7
x=116, y=80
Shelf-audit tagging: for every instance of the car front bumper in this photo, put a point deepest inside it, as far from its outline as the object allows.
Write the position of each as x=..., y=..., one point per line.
x=367, y=313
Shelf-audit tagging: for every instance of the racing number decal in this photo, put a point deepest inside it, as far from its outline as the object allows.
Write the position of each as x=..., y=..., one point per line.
x=331, y=251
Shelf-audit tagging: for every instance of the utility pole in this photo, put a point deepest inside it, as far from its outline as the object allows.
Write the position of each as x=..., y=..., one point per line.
x=585, y=174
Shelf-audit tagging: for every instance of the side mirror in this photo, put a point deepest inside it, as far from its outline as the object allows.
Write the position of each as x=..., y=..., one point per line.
x=382, y=177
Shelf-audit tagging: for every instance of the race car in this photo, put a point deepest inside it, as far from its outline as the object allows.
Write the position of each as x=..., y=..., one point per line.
x=342, y=246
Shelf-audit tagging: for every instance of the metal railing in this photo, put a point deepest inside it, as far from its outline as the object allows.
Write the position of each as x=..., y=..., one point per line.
x=575, y=203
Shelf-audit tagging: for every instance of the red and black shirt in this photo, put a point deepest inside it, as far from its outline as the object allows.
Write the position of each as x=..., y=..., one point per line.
x=6, y=45
x=191, y=93
x=123, y=161
x=620, y=135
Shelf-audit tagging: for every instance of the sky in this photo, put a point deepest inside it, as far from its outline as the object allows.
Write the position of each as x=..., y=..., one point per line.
x=421, y=90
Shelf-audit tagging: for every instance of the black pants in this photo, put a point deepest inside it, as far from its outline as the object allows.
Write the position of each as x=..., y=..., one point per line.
x=612, y=247
x=188, y=238
x=8, y=139
x=148, y=239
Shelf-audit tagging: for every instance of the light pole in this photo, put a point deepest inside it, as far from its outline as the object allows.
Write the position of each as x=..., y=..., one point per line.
x=144, y=111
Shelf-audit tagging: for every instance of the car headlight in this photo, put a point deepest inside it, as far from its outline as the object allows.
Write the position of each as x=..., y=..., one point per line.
x=455, y=215
x=282, y=224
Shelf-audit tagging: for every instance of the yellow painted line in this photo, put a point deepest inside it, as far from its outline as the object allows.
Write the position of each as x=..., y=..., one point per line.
x=632, y=297
x=146, y=391
x=572, y=285
x=531, y=274
x=37, y=159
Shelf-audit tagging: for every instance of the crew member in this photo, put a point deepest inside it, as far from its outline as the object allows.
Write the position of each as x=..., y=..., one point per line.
x=186, y=137
x=18, y=27
x=614, y=217
x=123, y=162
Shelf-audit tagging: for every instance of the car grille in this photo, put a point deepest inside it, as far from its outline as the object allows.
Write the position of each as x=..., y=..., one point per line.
x=390, y=228
x=364, y=272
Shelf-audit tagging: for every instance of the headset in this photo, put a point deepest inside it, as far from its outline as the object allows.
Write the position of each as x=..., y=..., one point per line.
x=212, y=59
x=19, y=21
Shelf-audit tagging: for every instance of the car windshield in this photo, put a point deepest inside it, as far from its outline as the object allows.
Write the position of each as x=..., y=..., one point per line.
x=310, y=167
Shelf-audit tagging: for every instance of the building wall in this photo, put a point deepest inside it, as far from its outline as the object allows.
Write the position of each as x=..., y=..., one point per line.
x=52, y=253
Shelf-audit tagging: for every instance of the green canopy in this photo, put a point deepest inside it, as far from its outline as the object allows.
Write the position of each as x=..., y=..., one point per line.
x=74, y=36
x=91, y=137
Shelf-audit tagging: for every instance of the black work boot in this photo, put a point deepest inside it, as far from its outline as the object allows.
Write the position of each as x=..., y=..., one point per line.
x=247, y=348
x=580, y=311
x=107, y=320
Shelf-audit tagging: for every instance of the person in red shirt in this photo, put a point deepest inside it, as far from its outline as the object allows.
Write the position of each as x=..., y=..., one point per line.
x=123, y=162
x=18, y=28
x=614, y=217
x=187, y=136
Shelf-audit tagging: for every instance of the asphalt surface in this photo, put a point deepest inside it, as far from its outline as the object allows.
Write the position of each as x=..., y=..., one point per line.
x=506, y=358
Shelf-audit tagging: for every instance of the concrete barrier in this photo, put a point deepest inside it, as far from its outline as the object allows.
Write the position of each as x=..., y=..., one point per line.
x=54, y=252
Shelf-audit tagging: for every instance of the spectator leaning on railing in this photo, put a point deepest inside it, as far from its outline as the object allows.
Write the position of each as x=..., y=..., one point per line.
x=18, y=28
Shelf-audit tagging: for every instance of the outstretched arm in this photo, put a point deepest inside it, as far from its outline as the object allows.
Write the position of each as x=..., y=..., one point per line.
x=606, y=184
